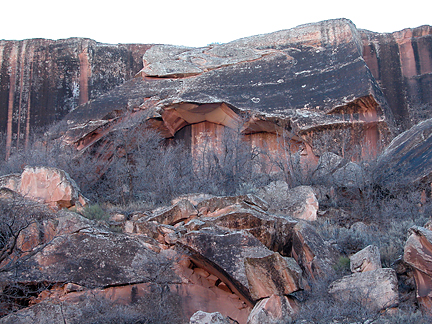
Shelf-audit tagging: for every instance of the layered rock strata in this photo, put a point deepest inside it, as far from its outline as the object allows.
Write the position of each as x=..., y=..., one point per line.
x=283, y=91
x=42, y=80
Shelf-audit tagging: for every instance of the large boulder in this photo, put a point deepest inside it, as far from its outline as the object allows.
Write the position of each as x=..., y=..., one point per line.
x=299, y=202
x=272, y=275
x=367, y=259
x=417, y=251
x=273, y=310
x=224, y=254
x=315, y=256
x=51, y=186
x=201, y=317
x=377, y=288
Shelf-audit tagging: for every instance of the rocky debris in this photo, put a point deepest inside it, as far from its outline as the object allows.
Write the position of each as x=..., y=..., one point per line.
x=299, y=202
x=273, y=310
x=180, y=211
x=407, y=157
x=201, y=317
x=272, y=275
x=377, y=288
x=51, y=186
x=315, y=256
x=417, y=253
x=367, y=259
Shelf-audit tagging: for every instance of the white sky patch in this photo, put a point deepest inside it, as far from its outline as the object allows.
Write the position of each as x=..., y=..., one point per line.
x=193, y=22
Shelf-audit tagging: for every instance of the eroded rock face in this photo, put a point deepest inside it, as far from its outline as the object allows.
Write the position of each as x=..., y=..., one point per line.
x=377, y=288
x=301, y=83
x=299, y=202
x=417, y=254
x=273, y=310
x=402, y=63
x=51, y=186
x=42, y=80
x=407, y=157
x=201, y=317
x=272, y=275
x=315, y=256
x=367, y=259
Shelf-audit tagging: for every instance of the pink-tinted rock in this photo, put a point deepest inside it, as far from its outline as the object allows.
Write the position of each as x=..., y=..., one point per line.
x=315, y=256
x=417, y=253
x=272, y=275
x=273, y=310
x=51, y=186
x=171, y=215
x=376, y=288
x=299, y=202
x=367, y=259
x=201, y=317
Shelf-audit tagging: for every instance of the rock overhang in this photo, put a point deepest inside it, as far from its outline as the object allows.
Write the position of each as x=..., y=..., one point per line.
x=299, y=81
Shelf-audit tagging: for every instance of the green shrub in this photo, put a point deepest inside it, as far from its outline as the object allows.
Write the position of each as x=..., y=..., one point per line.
x=95, y=212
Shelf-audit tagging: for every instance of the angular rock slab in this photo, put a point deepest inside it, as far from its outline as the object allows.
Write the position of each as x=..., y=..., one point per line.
x=418, y=254
x=201, y=317
x=224, y=255
x=299, y=202
x=273, y=275
x=315, y=256
x=274, y=232
x=377, y=288
x=92, y=258
x=367, y=259
x=51, y=186
x=273, y=310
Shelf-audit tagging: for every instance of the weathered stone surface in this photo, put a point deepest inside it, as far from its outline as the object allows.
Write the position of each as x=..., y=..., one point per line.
x=377, y=288
x=273, y=310
x=201, y=317
x=171, y=215
x=274, y=232
x=42, y=80
x=11, y=181
x=299, y=202
x=224, y=255
x=303, y=82
x=315, y=256
x=407, y=157
x=417, y=252
x=367, y=259
x=51, y=186
x=402, y=63
x=272, y=275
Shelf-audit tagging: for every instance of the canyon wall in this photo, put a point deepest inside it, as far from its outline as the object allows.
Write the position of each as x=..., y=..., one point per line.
x=401, y=62
x=327, y=85
x=42, y=80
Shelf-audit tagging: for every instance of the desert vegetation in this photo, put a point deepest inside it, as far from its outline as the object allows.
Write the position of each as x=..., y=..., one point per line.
x=145, y=171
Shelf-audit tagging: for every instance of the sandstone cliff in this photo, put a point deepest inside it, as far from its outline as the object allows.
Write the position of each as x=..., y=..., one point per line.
x=41, y=80
x=401, y=62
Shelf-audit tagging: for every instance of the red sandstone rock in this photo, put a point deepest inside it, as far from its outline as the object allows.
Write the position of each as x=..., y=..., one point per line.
x=315, y=256
x=273, y=310
x=417, y=254
x=272, y=275
x=299, y=202
x=51, y=186
x=201, y=317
